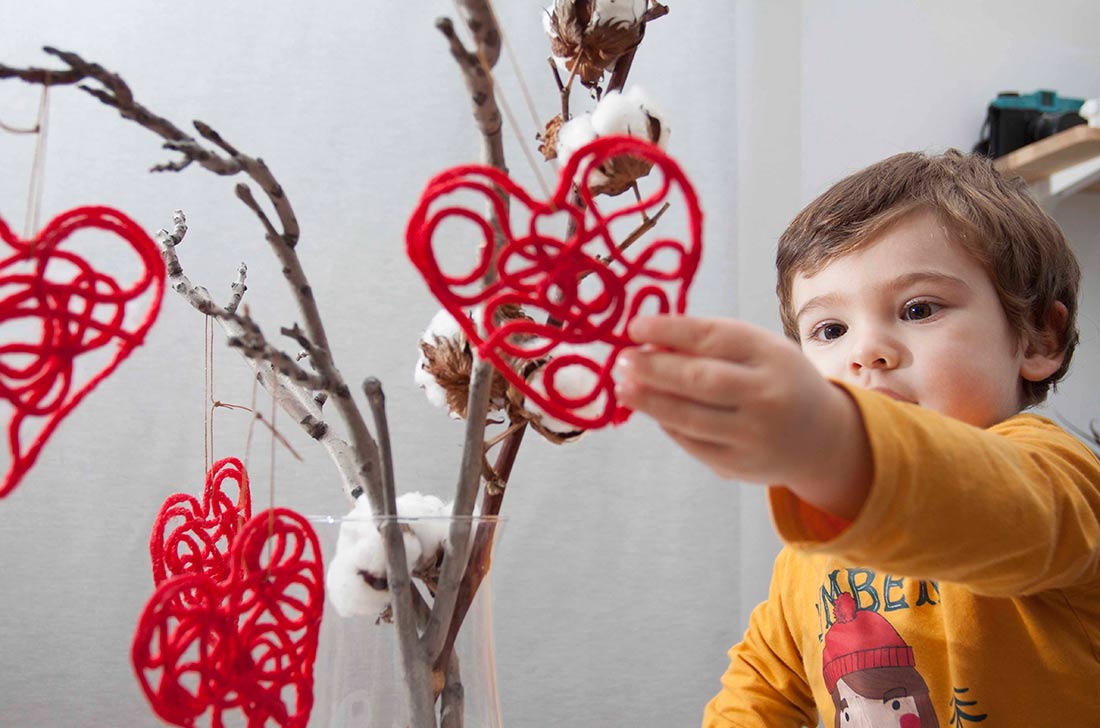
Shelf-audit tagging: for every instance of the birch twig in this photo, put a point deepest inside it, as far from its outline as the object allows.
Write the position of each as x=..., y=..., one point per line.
x=296, y=401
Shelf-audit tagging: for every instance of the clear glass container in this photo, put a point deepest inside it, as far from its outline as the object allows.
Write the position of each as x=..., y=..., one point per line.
x=357, y=675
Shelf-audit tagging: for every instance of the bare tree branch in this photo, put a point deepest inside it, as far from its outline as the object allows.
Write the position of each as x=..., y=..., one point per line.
x=413, y=663
x=298, y=402
x=477, y=74
x=481, y=21
x=480, y=86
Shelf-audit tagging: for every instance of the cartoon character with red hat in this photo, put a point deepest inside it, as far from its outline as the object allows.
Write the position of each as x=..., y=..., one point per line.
x=871, y=672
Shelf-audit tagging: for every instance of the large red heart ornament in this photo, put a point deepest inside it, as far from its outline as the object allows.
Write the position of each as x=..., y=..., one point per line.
x=543, y=272
x=55, y=307
x=248, y=643
x=190, y=537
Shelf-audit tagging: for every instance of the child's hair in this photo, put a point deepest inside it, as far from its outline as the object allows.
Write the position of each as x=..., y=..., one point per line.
x=996, y=219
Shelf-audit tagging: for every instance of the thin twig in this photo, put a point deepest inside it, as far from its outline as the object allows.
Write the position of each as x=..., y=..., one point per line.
x=299, y=403
x=482, y=22
x=641, y=230
x=487, y=114
x=414, y=666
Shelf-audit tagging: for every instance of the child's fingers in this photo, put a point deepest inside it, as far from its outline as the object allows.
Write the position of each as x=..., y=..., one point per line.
x=716, y=382
x=721, y=338
x=691, y=418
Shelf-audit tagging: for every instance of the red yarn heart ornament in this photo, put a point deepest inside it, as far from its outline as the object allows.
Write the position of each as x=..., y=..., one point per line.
x=543, y=272
x=190, y=537
x=245, y=644
x=73, y=308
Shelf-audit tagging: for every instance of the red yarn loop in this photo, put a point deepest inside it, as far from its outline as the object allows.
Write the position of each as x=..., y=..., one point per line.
x=194, y=538
x=248, y=643
x=75, y=309
x=542, y=273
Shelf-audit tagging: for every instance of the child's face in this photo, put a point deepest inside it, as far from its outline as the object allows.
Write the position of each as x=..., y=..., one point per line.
x=912, y=314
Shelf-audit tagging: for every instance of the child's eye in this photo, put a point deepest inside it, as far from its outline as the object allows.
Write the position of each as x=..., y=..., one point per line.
x=917, y=310
x=828, y=331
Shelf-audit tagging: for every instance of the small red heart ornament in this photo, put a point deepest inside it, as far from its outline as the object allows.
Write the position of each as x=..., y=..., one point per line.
x=540, y=271
x=248, y=643
x=190, y=537
x=70, y=308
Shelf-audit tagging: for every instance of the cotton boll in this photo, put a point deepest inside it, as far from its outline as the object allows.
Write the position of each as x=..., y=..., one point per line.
x=435, y=393
x=349, y=594
x=415, y=504
x=632, y=113
x=618, y=12
x=443, y=325
x=359, y=548
x=571, y=380
x=645, y=102
x=591, y=37
x=429, y=522
x=574, y=134
x=443, y=330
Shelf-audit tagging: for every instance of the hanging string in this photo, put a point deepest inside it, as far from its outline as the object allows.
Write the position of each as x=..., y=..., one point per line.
x=523, y=87
x=37, y=185
x=271, y=483
x=206, y=395
x=251, y=422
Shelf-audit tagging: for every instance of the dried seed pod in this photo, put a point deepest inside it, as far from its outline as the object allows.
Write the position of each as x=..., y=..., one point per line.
x=588, y=36
x=632, y=113
x=548, y=139
x=443, y=369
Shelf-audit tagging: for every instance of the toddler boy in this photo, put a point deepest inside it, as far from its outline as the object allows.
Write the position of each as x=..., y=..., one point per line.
x=942, y=557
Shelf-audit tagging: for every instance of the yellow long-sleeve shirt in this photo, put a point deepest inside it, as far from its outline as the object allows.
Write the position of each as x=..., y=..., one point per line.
x=966, y=591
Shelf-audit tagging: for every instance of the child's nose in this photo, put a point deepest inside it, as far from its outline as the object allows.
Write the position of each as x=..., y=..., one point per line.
x=875, y=352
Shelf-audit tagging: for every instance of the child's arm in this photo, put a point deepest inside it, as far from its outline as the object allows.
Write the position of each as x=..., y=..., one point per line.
x=765, y=685
x=746, y=402
x=1007, y=511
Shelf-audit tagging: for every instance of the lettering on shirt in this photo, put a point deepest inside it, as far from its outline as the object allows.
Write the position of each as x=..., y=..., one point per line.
x=886, y=594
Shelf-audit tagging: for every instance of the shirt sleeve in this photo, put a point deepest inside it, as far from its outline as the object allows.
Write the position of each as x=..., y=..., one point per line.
x=1007, y=511
x=765, y=684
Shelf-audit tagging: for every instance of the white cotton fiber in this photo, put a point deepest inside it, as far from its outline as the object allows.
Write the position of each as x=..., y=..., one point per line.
x=573, y=135
x=572, y=381
x=428, y=520
x=442, y=326
x=629, y=113
x=618, y=12
x=359, y=549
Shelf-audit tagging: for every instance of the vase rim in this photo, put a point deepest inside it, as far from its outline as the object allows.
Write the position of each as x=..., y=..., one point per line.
x=475, y=518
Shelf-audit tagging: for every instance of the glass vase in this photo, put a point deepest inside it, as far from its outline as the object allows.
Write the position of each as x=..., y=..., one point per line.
x=357, y=674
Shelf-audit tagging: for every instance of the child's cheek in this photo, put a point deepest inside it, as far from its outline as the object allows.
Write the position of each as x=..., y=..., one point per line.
x=910, y=721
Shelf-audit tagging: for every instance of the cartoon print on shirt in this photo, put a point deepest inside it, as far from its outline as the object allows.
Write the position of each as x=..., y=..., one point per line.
x=958, y=714
x=871, y=672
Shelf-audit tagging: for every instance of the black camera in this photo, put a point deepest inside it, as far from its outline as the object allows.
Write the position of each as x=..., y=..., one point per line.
x=1016, y=120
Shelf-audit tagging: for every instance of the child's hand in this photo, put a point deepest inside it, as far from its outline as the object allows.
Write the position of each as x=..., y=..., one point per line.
x=747, y=403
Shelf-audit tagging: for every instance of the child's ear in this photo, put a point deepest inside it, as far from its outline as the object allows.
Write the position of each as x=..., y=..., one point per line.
x=1044, y=356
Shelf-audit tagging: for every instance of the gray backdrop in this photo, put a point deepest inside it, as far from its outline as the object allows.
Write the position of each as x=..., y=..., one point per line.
x=626, y=569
